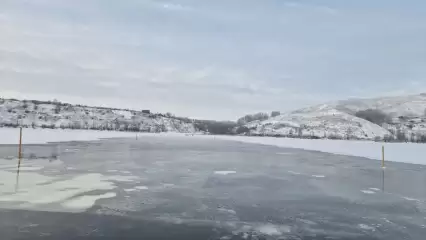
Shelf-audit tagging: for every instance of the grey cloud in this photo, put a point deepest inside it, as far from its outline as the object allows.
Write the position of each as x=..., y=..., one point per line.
x=210, y=59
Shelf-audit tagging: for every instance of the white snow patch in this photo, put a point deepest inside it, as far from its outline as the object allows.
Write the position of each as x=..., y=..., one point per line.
x=130, y=190
x=318, y=176
x=225, y=210
x=36, y=189
x=284, y=153
x=224, y=172
x=366, y=227
x=87, y=201
x=272, y=230
x=386, y=220
x=168, y=185
x=374, y=189
x=268, y=230
x=141, y=187
x=293, y=172
x=411, y=199
x=368, y=192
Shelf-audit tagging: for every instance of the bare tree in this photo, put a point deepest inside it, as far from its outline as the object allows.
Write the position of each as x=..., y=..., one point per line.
x=373, y=115
x=349, y=132
x=300, y=131
x=57, y=109
x=252, y=117
x=388, y=138
x=400, y=135
x=275, y=113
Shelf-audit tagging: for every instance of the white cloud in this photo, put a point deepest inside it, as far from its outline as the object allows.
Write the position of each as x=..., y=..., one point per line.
x=109, y=84
x=176, y=7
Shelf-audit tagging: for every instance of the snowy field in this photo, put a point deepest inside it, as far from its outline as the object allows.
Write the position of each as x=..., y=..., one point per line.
x=396, y=152
x=40, y=136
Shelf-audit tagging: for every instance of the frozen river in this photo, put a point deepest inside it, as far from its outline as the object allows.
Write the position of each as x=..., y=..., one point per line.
x=177, y=187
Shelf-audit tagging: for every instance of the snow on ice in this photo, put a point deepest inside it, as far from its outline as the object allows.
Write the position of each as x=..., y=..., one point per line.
x=224, y=172
x=35, y=190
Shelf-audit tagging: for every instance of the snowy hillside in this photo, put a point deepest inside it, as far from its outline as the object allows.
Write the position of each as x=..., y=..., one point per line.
x=60, y=115
x=405, y=120
x=407, y=106
x=319, y=121
x=407, y=113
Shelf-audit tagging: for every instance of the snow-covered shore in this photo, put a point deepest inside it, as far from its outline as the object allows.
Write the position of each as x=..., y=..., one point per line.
x=40, y=136
x=396, y=152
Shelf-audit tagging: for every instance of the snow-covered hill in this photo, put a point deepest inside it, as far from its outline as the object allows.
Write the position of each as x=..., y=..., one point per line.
x=61, y=115
x=407, y=113
x=339, y=120
x=407, y=106
x=319, y=121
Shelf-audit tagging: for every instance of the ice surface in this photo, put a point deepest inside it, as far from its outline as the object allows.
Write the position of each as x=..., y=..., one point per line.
x=166, y=185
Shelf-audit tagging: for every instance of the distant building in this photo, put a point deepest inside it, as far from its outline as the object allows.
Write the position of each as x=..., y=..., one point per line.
x=146, y=111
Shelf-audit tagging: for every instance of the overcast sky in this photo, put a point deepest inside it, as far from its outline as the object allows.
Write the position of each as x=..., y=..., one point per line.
x=216, y=59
